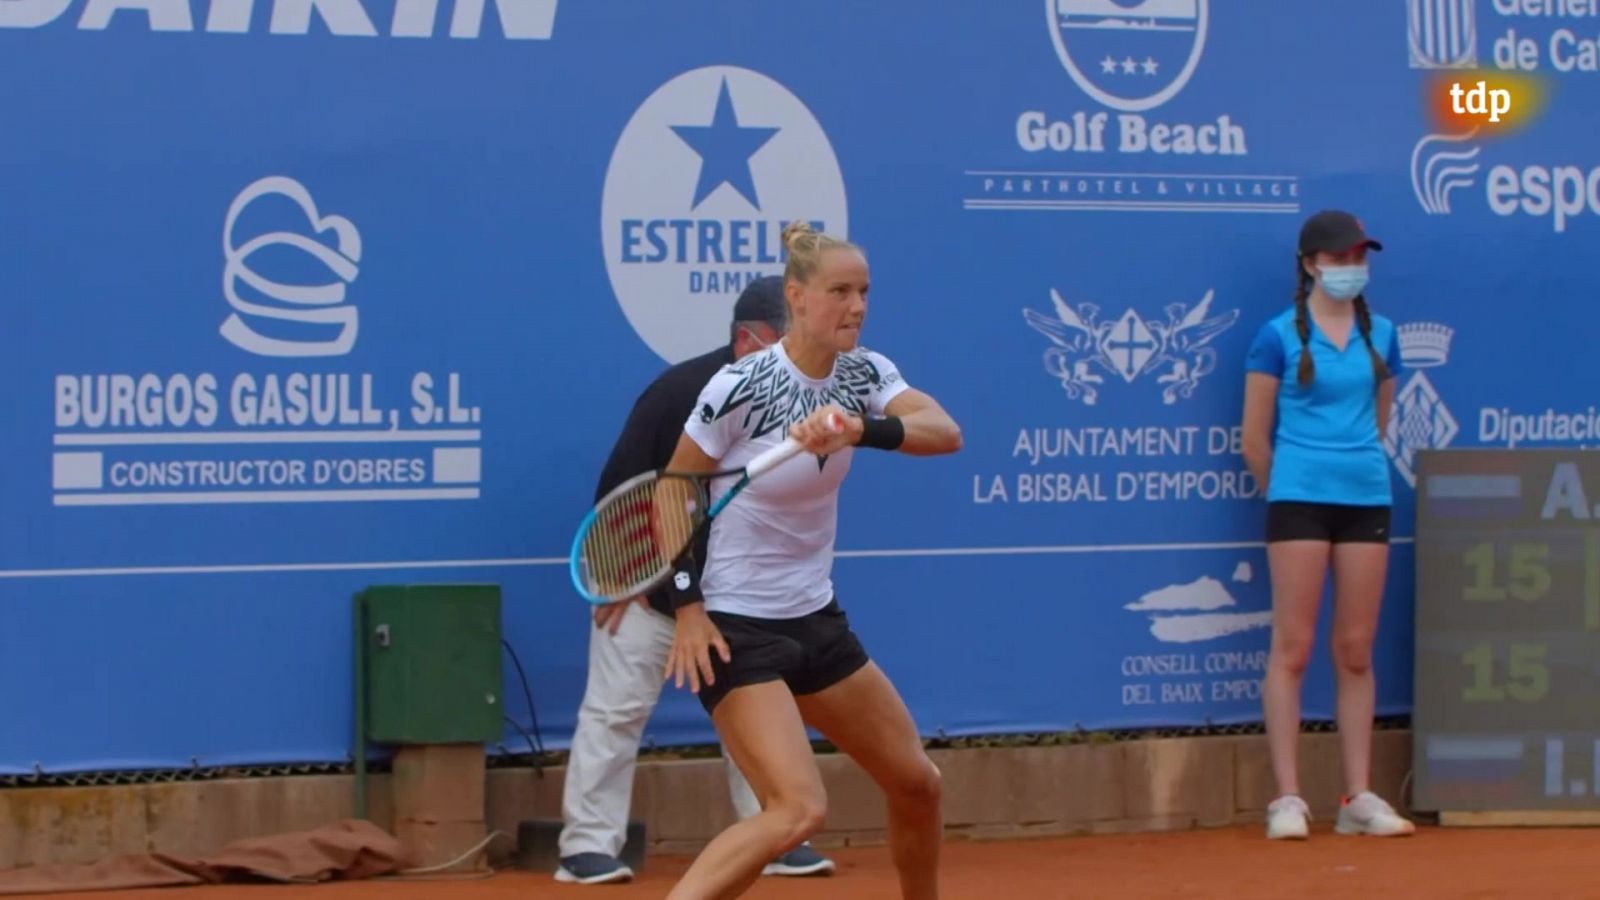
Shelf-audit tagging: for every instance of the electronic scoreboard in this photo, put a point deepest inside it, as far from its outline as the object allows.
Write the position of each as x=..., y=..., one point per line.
x=1507, y=706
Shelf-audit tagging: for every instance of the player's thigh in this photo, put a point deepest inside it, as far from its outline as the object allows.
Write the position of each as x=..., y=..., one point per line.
x=1299, y=541
x=1299, y=571
x=762, y=730
x=1360, y=570
x=864, y=716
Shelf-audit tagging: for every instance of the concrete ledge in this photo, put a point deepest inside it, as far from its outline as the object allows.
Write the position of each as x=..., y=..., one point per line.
x=1151, y=785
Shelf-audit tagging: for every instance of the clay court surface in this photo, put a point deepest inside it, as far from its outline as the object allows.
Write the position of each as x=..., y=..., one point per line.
x=1232, y=863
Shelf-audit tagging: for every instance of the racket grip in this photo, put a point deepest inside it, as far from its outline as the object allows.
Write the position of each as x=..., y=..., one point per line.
x=781, y=453
x=774, y=457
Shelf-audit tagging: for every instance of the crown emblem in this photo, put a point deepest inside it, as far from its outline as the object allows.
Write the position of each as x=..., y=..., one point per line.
x=1424, y=344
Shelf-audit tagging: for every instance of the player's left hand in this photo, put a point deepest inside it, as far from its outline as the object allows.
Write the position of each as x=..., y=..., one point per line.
x=827, y=430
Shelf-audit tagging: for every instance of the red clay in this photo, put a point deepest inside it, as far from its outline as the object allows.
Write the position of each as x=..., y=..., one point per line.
x=1234, y=863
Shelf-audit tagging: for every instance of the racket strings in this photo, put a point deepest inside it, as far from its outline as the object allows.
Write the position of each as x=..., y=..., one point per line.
x=639, y=533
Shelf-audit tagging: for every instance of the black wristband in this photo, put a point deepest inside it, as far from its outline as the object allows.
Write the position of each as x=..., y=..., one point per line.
x=886, y=433
x=683, y=587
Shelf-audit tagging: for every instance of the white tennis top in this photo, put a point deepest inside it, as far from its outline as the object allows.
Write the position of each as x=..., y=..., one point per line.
x=771, y=549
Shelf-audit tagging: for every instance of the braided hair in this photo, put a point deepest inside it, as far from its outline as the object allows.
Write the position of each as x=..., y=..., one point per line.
x=1302, y=326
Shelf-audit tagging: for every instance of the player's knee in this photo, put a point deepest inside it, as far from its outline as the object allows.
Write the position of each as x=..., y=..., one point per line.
x=802, y=814
x=919, y=782
x=813, y=814
x=1352, y=653
x=1291, y=652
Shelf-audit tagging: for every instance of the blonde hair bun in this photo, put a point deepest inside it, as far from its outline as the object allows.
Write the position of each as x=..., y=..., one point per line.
x=795, y=230
x=805, y=246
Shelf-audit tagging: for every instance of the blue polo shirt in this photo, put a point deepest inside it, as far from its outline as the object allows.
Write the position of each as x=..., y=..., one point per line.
x=1325, y=446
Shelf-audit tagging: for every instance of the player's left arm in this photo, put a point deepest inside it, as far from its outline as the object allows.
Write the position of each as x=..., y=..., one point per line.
x=895, y=416
x=1385, y=404
x=1385, y=401
x=929, y=430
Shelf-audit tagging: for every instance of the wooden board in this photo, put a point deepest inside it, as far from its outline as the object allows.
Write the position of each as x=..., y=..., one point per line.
x=1547, y=818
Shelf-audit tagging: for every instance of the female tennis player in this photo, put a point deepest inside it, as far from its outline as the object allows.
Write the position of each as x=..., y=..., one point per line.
x=1324, y=370
x=760, y=636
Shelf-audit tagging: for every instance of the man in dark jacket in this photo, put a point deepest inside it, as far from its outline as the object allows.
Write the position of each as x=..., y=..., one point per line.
x=628, y=648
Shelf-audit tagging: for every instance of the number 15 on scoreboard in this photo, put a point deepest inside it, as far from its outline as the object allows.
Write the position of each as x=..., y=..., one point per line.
x=1527, y=574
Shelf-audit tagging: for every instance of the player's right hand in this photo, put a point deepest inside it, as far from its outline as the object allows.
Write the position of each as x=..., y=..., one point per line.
x=826, y=430
x=692, y=641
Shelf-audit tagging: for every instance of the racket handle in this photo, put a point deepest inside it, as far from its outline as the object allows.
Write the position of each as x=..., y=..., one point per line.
x=781, y=453
x=771, y=458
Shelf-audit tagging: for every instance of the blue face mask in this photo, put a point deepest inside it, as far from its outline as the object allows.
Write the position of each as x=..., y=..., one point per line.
x=1343, y=282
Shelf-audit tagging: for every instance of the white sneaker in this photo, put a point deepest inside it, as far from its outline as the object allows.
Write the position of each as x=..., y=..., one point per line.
x=1287, y=819
x=1367, y=813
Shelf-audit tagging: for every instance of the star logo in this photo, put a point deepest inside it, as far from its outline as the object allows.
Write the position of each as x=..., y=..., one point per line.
x=720, y=158
x=725, y=148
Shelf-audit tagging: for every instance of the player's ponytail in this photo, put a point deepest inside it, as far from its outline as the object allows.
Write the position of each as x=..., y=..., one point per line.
x=1380, y=370
x=1302, y=322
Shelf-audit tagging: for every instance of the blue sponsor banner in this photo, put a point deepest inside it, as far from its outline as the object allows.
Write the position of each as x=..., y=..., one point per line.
x=305, y=295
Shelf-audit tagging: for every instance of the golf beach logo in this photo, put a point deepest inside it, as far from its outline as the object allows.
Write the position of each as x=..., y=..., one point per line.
x=1129, y=56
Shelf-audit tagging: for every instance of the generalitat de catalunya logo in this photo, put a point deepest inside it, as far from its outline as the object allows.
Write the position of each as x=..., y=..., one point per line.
x=1441, y=34
x=705, y=176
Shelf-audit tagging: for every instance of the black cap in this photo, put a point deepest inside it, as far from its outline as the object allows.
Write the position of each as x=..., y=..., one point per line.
x=1335, y=231
x=762, y=301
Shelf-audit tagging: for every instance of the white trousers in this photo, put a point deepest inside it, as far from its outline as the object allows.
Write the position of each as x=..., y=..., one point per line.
x=625, y=680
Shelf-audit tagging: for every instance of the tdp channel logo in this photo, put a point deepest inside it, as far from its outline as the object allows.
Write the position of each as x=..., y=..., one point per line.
x=1128, y=58
x=1493, y=102
x=707, y=173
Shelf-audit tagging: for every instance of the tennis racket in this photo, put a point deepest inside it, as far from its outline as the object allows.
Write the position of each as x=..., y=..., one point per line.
x=626, y=546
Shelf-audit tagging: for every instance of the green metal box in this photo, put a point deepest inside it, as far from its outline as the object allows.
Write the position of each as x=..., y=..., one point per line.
x=430, y=662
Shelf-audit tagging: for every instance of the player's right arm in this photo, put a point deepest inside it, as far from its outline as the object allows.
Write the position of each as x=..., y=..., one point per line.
x=1260, y=405
x=1264, y=369
x=705, y=432
x=688, y=458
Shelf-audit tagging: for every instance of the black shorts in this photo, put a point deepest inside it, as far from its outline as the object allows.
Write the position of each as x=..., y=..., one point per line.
x=810, y=654
x=1336, y=523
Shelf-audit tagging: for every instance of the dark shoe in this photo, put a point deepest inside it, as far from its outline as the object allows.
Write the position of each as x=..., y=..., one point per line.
x=592, y=868
x=802, y=860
